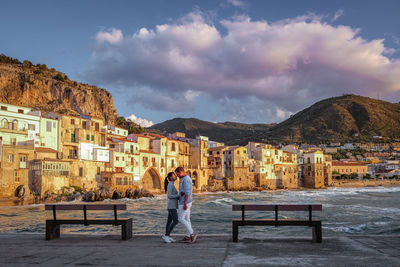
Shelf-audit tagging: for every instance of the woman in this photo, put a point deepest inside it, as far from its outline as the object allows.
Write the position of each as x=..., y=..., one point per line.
x=172, y=205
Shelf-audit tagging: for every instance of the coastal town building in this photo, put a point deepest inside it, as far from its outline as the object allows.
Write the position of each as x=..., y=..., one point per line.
x=47, y=152
x=313, y=169
x=348, y=168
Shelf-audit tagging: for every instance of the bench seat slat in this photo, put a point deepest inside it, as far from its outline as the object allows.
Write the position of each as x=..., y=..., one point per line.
x=88, y=206
x=273, y=222
x=271, y=207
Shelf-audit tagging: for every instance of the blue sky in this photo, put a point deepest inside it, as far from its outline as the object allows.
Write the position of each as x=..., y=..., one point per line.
x=230, y=60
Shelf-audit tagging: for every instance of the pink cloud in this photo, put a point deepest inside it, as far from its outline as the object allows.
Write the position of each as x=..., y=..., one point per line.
x=288, y=64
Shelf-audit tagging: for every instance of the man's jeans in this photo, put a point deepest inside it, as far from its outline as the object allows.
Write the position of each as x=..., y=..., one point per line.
x=184, y=218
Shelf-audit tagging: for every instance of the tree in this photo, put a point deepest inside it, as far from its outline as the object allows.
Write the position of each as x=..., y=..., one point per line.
x=27, y=64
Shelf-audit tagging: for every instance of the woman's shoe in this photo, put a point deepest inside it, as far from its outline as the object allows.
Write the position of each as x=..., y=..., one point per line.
x=166, y=239
x=171, y=239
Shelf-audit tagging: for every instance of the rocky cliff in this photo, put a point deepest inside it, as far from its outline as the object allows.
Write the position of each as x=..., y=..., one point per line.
x=46, y=89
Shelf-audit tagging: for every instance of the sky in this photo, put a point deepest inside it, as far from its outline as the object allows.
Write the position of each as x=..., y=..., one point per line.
x=231, y=60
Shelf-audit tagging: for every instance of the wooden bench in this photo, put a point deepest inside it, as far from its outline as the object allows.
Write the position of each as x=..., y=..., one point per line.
x=315, y=224
x=53, y=225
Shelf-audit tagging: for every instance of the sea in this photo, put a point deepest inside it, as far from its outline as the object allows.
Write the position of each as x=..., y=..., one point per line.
x=345, y=211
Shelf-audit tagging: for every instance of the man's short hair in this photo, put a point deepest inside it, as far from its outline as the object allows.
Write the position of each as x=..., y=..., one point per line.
x=179, y=169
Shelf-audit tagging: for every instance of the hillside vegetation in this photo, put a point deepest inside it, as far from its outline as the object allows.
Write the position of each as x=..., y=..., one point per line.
x=343, y=118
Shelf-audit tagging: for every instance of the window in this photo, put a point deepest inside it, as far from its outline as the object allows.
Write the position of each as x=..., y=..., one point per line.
x=10, y=157
x=162, y=162
x=17, y=176
x=87, y=137
x=172, y=163
x=3, y=108
x=238, y=152
x=48, y=126
x=117, y=158
x=98, y=170
x=92, y=137
x=173, y=147
x=13, y=141
x=31, y=127
x=72, y=122
x=80, y=171
x=73, y=138
x=153, y=161
x=97, y=126
x=21, y=111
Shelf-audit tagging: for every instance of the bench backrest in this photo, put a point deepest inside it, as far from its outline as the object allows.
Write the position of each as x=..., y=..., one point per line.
x=272, y=207
x=85, y=208
x=82, y=206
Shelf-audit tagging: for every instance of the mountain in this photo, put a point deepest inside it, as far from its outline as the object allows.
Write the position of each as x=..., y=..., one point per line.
x=230, y=133
x=340, y=119
x=343, y=118
x=45, y=89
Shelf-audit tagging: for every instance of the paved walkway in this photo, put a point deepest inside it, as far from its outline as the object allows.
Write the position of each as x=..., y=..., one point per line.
x=145, y=250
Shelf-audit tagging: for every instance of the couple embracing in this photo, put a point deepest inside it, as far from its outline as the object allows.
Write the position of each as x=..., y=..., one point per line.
x=182, y=202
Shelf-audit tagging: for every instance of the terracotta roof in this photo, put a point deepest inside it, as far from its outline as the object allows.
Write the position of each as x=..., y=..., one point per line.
x=141, y=135
x=45, y=150
x=126, y=140
x=156, y=135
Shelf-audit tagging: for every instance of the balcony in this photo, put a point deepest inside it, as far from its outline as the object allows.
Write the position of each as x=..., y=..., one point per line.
x=72, y=156
x=14, y=131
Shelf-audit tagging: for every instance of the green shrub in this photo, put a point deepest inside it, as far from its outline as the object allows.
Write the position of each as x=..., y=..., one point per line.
x=27, y=64
x=59, y=77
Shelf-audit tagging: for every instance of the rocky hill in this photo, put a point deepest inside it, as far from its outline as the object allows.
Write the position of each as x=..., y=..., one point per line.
x=46, y=89
x=347, y=117
x=343, y=118
x=228, y=132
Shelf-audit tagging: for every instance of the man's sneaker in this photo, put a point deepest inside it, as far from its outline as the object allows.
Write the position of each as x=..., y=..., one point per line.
x=171, y=239
x=186, y=239
x=193, y=238
x=166, y=239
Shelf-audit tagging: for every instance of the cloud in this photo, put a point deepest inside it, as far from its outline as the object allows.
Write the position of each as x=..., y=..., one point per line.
x=140, y=121
x=113, y=37
x=337, y=14
x=237, y=3
x=287, y=64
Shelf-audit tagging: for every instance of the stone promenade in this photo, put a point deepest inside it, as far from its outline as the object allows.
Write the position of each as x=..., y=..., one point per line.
x=210, y=250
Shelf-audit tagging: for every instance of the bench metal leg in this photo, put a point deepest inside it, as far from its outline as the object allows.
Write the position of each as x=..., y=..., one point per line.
x=235, y=232
x=126, y=230
x=317, y=232
x=52, y=230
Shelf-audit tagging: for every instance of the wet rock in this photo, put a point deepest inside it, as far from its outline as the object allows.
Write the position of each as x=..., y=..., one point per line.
x=20, y=191
x=128, y=193
x=89, y=196
x=75, y=197
x=117, y=195
x=105, y=193
x=46, y=195
x=99, y=196
x=67, y=190
x=137, y=193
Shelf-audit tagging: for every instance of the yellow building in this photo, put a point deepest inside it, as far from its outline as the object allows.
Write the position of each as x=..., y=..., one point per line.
x=343, y=167
x=313, y=169
x=14, y=168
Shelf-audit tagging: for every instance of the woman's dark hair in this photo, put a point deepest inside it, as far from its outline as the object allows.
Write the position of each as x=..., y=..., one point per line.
x=167, y=179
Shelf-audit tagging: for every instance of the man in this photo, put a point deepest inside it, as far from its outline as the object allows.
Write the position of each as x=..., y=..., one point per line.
x=185, y=203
